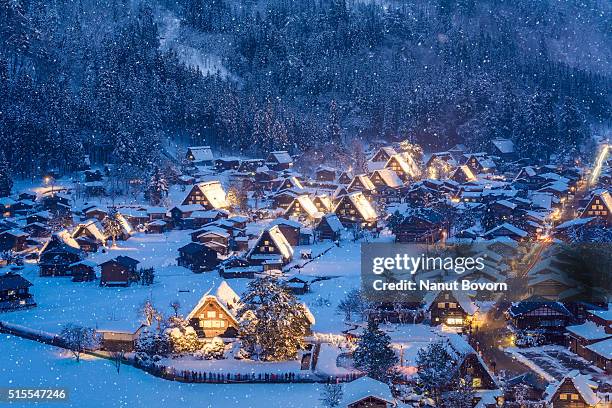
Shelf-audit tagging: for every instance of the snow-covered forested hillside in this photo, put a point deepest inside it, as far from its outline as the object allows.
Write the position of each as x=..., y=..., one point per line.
x=115, y=79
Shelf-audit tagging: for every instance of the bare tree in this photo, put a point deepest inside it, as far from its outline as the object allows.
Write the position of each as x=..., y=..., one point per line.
x=331, y=395
x=79, y=339
x=117, y=358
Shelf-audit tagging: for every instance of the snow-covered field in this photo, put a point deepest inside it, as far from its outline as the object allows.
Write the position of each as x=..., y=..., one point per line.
x=95, y=383
x=62, y=301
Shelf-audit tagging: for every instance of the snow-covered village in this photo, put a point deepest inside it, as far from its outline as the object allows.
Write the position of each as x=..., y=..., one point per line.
x=191, y=193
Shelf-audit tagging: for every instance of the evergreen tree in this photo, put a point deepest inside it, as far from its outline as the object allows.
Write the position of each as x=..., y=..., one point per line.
x=158, y=187
x=112, y=225
x=572, y=128
x=6, y=183
x=435, y=368
x=274, y=322
x=374, y=354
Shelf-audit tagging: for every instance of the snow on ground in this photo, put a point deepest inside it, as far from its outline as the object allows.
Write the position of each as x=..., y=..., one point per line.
x=95, y=383
x=62, y=301
x=233, y=366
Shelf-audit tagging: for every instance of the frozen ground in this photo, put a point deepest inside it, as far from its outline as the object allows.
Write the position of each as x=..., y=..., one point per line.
x=94, y=383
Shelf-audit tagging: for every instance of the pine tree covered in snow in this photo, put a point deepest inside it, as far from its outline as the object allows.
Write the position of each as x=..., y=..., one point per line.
x=374, y=354
x=6, y=183
x=461, y=396
x=435, y=368
x=112, y=225
x=158, y=187
x=274, y=322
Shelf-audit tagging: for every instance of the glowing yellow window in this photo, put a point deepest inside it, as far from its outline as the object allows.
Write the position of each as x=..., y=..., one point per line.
x=476, y=382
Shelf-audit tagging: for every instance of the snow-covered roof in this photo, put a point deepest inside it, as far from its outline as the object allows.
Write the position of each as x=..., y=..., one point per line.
x=93, y=227
x=224, y=295
x=364, y=180
x=200, y=154
x=281, y=242
x=389, y=177
x=281, y=157
x=581, y=384
x=362, y=205
x=509, y=227
x=602, y=348
x=284, y=221
x=602, y=314
x=589, y=331
x=365, y=387
x=309, y=316
x=214, y=193
x=307, y=205
x=334, y=222
x=505, y=146
x=406, y=163
x=469, y=174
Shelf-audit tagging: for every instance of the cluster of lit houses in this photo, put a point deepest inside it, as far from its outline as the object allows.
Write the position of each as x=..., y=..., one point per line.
x=521, y=202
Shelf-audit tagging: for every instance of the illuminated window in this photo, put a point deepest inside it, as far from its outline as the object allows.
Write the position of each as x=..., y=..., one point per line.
x=441, y=305
x=575, y=397
x=212, y=314
x=454, y=321
x=563, y=396
x=476, y=382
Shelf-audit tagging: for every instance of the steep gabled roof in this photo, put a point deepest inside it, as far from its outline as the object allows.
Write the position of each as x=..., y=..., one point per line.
x=200, y=154
x=365, y=387
x=307, y=205
x=224, y=296
x=580, y=383
x=214, y=193
x=361, y=204
x=389, y=177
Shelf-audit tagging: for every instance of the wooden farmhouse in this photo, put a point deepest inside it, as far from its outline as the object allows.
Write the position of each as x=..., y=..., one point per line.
x=279, y=160
x=197, y=257
x=15, y=292
x=117, y=337
x=58, y=254
x=573, y=391
x=354, y=210
x=404, y=166
x=13, y=240
x=467, y=363
x=271, y=246
x=88, y=232
x=291, y=230
x=290, y=183
x=451, y=308
x=366, y=392
x=303, y=208
x=329, y=228
x=581, y=336
x=425, y=225
x=325, y=174
x=284, y=198
x=463, y=174
x=550, y=318
x=83, y=271
x=120, y=271
x=361, y=183
x=209, y=194
x=599, y=206
x=480, y=163
x=324, y=203
x=200, y=155
x=383, y=154
x=345, y=177
x=215, y=313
